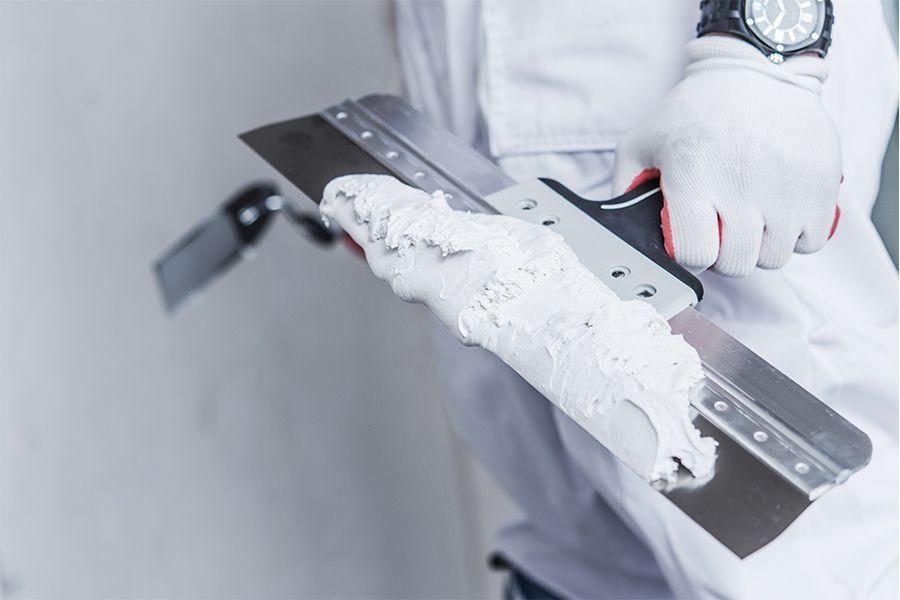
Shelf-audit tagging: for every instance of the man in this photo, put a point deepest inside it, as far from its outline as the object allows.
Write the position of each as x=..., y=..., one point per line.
x=596, y=93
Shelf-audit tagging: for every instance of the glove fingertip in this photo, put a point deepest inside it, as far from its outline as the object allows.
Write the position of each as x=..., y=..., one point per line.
x=810, y=243
x=731, y=270
x=741, y=238
x=773, y=263
x=733, y=264
x=690, y=250
x=691, y=235
x=815, y=237
x=777, y=248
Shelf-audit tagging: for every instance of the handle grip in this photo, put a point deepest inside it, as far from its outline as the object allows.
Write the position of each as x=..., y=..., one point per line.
x=251, y=209
x=635, y=218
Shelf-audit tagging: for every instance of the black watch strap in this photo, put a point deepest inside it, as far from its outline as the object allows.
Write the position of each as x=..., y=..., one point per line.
x=728, y=17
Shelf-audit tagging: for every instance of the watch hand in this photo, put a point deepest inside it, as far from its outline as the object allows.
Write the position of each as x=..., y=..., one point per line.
x=778, y=19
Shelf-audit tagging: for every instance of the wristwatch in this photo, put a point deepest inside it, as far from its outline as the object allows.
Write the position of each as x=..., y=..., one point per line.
x=778, y=28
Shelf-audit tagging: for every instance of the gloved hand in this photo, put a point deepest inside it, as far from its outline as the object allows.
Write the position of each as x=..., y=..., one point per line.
x=749, y=161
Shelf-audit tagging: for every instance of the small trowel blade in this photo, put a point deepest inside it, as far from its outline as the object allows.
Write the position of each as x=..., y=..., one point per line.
x=199, y=257
x=212, y=247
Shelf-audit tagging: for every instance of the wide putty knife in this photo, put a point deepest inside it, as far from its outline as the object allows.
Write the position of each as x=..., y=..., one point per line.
x=780, y=448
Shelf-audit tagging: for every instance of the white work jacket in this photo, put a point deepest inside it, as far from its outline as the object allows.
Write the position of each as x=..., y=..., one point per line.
x=547, y=88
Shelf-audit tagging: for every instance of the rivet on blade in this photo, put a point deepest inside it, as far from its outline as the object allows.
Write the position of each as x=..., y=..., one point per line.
x=645, y=290
x=274, y=202
x=619, y=272
x=249, y=215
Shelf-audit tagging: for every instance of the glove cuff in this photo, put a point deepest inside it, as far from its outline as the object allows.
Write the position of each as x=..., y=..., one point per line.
x=722, y=52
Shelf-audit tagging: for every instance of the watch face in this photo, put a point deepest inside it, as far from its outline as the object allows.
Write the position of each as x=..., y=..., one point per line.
x=786, y=25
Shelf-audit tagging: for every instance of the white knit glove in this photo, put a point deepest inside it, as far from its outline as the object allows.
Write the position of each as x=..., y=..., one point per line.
x=748, y=141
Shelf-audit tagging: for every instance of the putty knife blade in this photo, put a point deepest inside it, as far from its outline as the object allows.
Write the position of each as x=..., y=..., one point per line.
x=759, y=487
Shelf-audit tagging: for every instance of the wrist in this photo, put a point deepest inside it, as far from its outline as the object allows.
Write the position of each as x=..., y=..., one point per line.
x=726, y=52
x=778, y=29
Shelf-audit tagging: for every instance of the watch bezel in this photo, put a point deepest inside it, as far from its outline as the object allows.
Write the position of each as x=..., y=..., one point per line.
x=781, y=48
x=728, y=17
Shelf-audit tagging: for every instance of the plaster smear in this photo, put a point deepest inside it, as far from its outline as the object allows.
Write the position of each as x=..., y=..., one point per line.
x=520, y=292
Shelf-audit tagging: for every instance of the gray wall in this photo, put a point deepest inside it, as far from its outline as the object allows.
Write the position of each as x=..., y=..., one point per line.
x=885, y=211
x=217, y=453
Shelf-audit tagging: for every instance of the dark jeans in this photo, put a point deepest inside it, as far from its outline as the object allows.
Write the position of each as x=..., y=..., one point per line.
x=518, y=586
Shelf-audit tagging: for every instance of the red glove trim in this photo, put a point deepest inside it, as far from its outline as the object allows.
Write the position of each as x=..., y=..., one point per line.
x=665, y=221
x=837, y=218
x=353, y=246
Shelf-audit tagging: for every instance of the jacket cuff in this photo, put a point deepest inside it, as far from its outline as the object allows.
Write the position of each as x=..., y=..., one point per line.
x=724, y=52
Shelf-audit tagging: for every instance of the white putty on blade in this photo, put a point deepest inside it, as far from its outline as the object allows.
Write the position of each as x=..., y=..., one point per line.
x=519, y=291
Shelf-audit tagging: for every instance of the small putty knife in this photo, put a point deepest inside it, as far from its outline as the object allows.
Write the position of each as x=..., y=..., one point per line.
x=780, y=448
x=215, y=245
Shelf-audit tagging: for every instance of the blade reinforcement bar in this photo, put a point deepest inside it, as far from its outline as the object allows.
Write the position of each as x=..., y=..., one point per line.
x=402, y=152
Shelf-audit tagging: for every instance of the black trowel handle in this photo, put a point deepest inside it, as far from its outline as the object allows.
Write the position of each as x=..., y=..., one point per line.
x=310, y=223
x=219, y=242
x=251, y=210
x=635, y=216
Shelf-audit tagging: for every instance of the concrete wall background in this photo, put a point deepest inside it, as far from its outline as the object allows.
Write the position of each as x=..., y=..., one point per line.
x=216, y=454
x=884, y=213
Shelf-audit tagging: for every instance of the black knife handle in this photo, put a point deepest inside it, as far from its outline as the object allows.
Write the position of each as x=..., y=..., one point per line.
x=251, y=209
x=250, y=215
x=639, y=223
